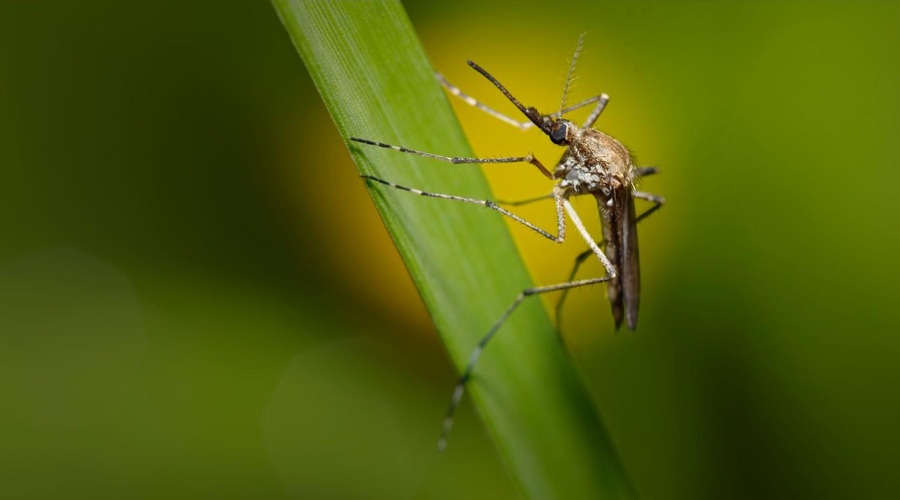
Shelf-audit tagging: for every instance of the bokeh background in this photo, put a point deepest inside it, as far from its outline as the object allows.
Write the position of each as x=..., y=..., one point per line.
x=198, y=300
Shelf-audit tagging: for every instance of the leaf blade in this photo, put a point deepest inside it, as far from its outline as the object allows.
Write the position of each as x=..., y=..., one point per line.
x=377, y=83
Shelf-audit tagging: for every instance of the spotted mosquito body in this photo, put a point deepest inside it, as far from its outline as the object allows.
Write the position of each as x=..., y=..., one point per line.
x=593, y=164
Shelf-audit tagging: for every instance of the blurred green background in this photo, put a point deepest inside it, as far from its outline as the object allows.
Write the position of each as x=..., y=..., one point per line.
x=198, y=300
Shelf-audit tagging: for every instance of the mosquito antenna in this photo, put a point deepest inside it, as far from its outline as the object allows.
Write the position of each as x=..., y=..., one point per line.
x=570, y=77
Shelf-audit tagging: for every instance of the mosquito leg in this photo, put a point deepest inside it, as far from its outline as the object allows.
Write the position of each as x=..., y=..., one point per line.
x=476, y=353
x=598, y=109
x=457, y=160
x=471, y=101
x=594, y=249
x=559, y=194
x=583, y=256
x=658, y=202
x=579, y=260
x=560, y=230
x=523, y=125
x=610, y=270
x=586, y=102
x=645, y=171
x=525, y=202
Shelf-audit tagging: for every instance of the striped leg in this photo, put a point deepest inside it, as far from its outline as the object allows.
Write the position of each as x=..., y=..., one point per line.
x=457, y=160
x=471, y=101
x=523, y=125
x=476, y=353
x=560, y=227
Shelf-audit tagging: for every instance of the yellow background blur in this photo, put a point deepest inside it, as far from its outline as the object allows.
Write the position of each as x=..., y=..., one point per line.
x=197, y=298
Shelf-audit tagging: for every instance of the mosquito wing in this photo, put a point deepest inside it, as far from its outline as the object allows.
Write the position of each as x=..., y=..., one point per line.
x=620, y=236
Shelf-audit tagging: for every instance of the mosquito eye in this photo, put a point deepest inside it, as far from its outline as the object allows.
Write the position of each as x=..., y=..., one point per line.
x=558, y=135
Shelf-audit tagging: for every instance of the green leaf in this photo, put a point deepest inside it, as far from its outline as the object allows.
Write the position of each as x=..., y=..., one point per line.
x=378, y=84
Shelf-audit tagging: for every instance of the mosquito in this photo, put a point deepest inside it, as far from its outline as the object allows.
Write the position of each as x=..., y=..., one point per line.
x=593, y=164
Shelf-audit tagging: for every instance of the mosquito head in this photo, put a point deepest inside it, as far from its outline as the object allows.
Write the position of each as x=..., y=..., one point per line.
x=560, y=131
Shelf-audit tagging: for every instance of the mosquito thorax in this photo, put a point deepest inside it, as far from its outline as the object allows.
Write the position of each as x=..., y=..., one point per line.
x=593, y=162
